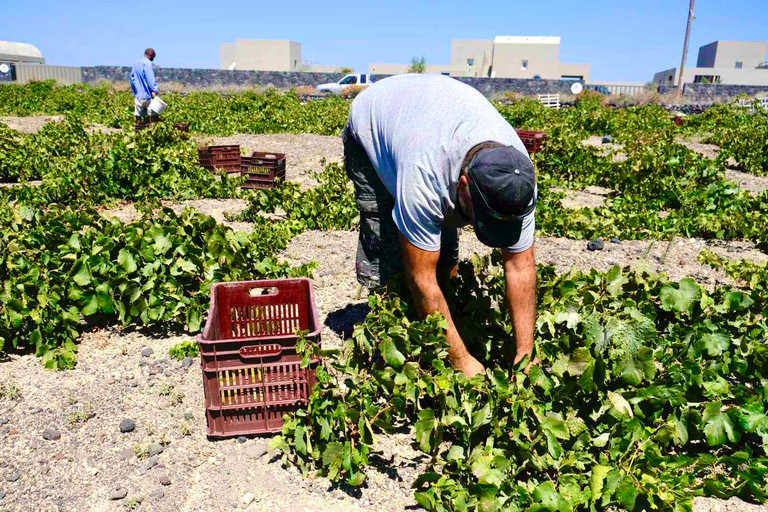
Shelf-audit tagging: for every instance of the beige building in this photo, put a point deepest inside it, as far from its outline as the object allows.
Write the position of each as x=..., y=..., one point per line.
x=724, y=62
x=503, y=57
x=20, y=52
x=267, y=55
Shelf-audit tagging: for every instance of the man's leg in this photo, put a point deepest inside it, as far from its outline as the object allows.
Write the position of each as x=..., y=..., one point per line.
x=140, y=110
x=378, y=248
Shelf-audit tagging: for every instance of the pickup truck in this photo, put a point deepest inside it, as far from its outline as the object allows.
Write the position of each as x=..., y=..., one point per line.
x=360, y=79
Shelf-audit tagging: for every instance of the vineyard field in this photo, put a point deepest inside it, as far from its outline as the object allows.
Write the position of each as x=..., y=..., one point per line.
x=652, y=391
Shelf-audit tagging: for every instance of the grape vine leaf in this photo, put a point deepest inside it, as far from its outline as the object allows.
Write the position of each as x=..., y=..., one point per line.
x=717, y=425
x=680, y=299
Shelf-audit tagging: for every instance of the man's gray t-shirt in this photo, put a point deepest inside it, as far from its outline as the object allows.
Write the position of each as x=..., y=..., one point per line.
x=417, y=130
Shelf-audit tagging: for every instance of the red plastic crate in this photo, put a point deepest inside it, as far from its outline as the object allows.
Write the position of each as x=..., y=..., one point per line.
x=252, y=375
x=261, y=169
x=220, y=158
x=533, y=141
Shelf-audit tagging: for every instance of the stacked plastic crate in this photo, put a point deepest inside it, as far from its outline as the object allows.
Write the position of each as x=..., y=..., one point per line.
x=225, y=159
x=261, y=169
x=252, y=374
x=533, y=141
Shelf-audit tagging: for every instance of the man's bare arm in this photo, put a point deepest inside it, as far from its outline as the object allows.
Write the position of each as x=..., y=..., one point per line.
x=520, y=273
x=421, y=275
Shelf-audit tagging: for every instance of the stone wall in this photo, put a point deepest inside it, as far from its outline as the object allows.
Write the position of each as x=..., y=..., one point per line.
x=214, y=77
x=285, y=80
x=708, y=93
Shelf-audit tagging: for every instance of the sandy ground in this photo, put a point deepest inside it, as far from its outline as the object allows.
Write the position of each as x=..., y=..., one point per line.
x=304, y=152
x=590, y=197
x=30, y=124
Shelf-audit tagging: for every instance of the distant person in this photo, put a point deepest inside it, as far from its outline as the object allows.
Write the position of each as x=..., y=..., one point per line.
x=144, y=86
x=427, y=155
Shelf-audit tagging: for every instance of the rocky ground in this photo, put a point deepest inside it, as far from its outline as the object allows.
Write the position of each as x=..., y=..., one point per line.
x=126, y=429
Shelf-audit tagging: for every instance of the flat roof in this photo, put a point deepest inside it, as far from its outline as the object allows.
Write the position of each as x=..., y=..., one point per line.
x=527, y=40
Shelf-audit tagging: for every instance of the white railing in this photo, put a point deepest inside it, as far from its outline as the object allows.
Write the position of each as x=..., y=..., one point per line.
x=750, y=103
x=550, y=100
x=626, y=90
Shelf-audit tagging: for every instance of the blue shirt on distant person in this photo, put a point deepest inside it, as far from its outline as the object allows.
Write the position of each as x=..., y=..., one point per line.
x=143, y=82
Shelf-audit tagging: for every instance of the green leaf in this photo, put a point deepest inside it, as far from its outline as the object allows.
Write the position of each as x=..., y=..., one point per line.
x=91, y=307
x=125, y=259
x=597, y=480
x=615, y=281
x=356, y=479
x=620, y=405
x=715, y=343
x=425, y=430
x=718, y=427
x=680, y=299
x=391, y=355
x=634, y=368
x=82, y=275
x=455, y=453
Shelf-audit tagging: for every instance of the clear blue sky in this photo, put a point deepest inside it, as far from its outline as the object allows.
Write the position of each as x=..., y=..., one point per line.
x=623, y=41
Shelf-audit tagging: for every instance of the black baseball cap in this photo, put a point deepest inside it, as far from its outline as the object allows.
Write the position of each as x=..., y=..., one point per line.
x=502, y=182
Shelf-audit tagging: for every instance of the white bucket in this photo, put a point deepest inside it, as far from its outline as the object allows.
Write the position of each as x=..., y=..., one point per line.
x=156, y=106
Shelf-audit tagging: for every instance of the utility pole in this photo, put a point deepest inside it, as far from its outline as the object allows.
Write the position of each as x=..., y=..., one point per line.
x=685, y=49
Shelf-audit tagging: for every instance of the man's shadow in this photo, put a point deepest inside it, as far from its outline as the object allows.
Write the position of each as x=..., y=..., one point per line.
x=342, y=321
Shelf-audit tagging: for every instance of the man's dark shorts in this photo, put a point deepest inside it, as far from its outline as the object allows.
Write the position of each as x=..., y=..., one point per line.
x=378, y=248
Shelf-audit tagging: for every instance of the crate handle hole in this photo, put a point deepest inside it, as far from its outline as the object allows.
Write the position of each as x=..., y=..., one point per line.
x=258, y=291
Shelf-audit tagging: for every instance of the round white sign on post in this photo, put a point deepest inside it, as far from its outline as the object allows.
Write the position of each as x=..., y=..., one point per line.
x=576, y=88
x=4, y=68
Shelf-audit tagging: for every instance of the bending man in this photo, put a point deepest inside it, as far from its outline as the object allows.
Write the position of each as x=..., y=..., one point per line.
x=428, y=155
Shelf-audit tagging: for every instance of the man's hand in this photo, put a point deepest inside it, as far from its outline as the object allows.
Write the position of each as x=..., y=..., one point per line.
x=421, y=275
x=520, y=274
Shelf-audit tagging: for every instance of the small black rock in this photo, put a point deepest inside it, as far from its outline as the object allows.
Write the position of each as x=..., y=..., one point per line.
x=158, y=494
x=152, y=462
x=188, y=415
x=615, y=240
x=51, y=435
x=3, y=421
x=2, y=495
x=127, y=425
x=596, y=244
x=607, y=139
x=147, y=351
x=14, y=476
x=242, y=439
x=187, y=362
x=165, y=480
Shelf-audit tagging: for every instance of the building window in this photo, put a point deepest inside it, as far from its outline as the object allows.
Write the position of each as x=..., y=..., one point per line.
x=525, y=65
x=445, y=73
x=706, y=79
x=295, y=64
x=739, y=65
x=470, y=62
